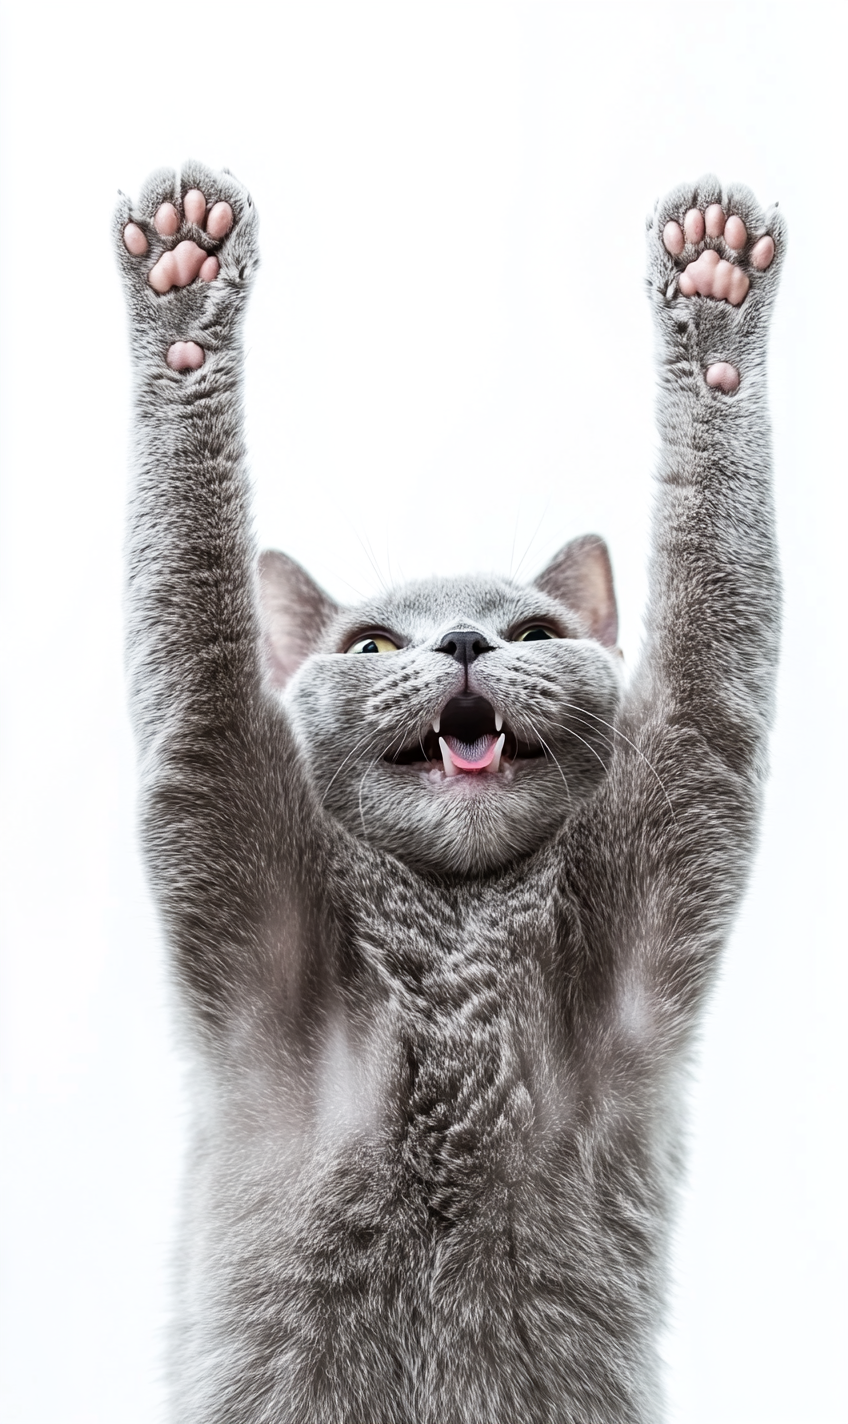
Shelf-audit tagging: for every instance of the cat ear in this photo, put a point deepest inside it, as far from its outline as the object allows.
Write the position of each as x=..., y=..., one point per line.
x=580, y=576
x=295, y=612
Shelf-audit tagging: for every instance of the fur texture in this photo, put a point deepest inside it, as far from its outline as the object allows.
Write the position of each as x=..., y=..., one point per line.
x=439, y=1031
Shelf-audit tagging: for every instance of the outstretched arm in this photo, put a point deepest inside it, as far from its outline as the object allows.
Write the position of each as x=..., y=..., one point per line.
x=714, y=609
x=188, y=252
x=673, y=832
x=215, y=814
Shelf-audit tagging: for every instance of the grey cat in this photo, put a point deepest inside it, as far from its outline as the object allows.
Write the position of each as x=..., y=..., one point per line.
x=444, y=896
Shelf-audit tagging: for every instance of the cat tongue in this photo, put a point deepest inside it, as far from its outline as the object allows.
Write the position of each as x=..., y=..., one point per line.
x=472, y=756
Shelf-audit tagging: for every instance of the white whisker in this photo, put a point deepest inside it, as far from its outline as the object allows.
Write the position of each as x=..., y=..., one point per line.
x=542, y=741
x=372, y=559
x=565, y=727
x=354, y=749
x=379, y=757
x=532, y=539
x=638, y=750
x=600, y=735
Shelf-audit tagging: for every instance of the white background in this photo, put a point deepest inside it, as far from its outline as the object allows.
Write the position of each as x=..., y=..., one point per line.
x=449, y=367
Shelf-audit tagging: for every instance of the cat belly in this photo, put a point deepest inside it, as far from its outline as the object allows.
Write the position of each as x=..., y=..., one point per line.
x=327, y=1288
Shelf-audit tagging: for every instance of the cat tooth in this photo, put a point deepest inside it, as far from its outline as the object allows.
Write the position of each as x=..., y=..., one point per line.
x=447, y=759
x=494, y=764
x=498, y=721
x=437, y=722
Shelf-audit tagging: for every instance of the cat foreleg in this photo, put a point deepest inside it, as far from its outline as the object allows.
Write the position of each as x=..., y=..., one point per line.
x=212, y=805
x=714, y=609
x=669, y=842
x=187, y=252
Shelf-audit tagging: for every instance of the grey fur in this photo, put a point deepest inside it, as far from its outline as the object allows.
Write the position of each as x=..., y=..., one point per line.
x=439, y=1038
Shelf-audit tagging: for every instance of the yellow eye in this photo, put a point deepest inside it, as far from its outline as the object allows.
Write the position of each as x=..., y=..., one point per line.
x=534, y=635
x=374, y=643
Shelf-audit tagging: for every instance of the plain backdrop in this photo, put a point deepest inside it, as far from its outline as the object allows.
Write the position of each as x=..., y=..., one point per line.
x=449, y=367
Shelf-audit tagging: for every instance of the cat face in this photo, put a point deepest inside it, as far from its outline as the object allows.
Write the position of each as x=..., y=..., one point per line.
x=455, y=723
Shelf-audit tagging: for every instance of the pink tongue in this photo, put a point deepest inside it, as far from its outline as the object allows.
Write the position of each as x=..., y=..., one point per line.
x=472, y=756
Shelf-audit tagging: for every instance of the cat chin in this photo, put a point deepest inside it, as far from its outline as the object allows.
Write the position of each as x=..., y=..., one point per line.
x=467, y=824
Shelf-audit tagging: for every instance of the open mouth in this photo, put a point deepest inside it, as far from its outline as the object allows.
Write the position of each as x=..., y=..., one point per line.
x=468, y=737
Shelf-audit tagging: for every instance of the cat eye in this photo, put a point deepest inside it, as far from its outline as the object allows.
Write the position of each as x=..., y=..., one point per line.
x=536, y=634
x=374, y=643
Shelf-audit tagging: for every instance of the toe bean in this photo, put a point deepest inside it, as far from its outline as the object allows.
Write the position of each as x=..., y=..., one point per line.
x=714, y=220
x=194, y=206
x=673, y=238
x=167, y=220
x=693, y=225
x=135, y=240
x=220, y=220
x=735, y=233
x=762, y=254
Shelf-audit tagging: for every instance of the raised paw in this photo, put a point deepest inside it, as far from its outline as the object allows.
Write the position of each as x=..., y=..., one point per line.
x=711, y=274
x=182, y=264
x=177, y=239
x=714, y=245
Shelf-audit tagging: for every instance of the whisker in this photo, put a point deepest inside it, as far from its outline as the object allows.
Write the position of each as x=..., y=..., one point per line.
x=638, y=750
x=354, y=749
x=397, y=740
x=536, y=733
x=600, y=735
x=369, y=768
x=565, y=727
x=369, y=552
x=532, y=539
x=352, y=587
x=361, y=812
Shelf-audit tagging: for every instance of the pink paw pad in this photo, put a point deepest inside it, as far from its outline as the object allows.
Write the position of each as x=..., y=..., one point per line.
x=184, y=263
x=714, y=220
x=735, y=233
x=167, y=220
x=219, y=221
x=673, y=239
x=693, y=226
x=134, y=240
x=194, y=207
x=722, y=376
x=178, y=267
x=712, y=276
x=185, y=356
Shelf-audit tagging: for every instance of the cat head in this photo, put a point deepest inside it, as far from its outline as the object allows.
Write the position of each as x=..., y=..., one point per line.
x=454, y=722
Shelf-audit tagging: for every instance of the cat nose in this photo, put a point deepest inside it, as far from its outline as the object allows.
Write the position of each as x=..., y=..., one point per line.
x=465, y=645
